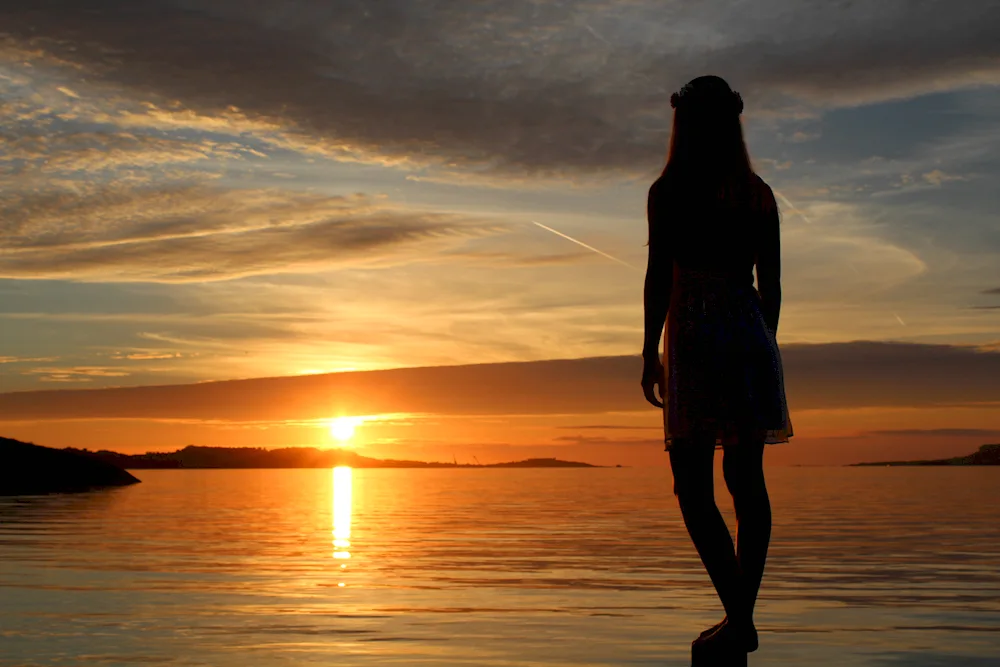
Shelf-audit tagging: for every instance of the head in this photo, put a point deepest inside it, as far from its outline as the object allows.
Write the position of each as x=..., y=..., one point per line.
x=706, y=141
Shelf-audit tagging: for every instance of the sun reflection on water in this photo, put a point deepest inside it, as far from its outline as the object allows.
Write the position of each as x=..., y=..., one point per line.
x=342, y=476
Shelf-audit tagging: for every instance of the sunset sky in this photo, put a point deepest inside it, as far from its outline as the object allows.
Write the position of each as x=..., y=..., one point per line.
x=221, y=189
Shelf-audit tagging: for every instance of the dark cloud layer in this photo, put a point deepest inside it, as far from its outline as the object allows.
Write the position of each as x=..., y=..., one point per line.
x=515, y=85
x=841, y=375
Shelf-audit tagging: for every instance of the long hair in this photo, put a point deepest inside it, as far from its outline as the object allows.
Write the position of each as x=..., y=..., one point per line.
x=707, y=150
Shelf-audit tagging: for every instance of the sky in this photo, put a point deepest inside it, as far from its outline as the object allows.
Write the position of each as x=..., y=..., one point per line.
x=200, y=192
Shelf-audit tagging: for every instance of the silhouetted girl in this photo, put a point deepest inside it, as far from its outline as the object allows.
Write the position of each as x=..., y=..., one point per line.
x=711, y=221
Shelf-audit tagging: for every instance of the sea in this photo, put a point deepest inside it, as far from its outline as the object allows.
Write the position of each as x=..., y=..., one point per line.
x=873, y=567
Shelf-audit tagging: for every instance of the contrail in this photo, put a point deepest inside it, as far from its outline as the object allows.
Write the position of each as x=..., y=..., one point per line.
x=634, y=268
x=596, y=34
x=588, y=247
x=899, y=319
x=792, y=206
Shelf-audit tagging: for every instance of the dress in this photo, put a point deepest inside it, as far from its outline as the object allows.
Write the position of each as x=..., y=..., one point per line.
x=723, y=374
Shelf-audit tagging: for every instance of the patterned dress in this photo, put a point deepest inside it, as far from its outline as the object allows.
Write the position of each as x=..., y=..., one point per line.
x=722, y=367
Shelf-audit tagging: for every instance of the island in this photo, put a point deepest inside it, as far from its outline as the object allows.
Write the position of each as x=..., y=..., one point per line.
x=29, y=469
x=986, y=455
x=195, y=457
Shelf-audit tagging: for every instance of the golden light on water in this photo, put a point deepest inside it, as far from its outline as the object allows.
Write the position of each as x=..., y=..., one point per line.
x=342, y=478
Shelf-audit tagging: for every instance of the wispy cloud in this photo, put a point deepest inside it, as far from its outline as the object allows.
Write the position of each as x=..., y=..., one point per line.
x=936, y=177
x=75, y=374
x=199, y=232
x=69, y=153
x=605, y=440
x=513, y=259
x=146, y=356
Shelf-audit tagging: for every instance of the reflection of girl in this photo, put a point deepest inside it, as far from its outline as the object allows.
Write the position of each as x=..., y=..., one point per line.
x=711, y=221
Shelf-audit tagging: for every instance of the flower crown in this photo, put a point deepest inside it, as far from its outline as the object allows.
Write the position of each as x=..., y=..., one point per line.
x=691, y=96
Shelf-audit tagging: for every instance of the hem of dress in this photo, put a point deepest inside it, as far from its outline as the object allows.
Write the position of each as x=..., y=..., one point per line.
x=778, y=437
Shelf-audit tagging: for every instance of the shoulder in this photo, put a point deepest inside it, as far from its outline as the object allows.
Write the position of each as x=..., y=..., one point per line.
x=663, y=193
x=657, y=200
x=763, y=195
x=660, y=187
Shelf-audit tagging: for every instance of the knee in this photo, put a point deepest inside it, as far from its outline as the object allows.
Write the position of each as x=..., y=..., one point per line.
x=693, y=491
x=693, y=494
x=744, y=479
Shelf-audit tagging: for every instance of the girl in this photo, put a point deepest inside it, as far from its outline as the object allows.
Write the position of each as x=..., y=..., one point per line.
x=712, y=220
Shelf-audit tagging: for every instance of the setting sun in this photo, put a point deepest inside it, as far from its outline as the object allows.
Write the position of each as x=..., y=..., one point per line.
x=342, y=428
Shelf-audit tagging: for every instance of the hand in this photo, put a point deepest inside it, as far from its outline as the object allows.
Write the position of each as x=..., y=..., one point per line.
x=652, y=376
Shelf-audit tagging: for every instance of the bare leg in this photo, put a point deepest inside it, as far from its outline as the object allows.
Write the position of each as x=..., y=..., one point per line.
x=691, y=463
x=743, y=468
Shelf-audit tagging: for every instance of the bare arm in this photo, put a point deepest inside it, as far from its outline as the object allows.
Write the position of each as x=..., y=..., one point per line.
x=769, y=262
x=659, y=277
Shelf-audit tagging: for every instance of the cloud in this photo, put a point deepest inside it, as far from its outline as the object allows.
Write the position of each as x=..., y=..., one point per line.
x=609, y=427
x=936, y=177
x=603, y=440
x=520, y=259
x=519, y=85
x=195, y=232
x=75, y=374
x=61, y=155
x=146, y=356
x=854, y=53
x=800, y=136
x=840, y=375
x=994, y=290
x=840, y=250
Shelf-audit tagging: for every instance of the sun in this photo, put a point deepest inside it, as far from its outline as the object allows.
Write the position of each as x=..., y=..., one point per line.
x=342, y=428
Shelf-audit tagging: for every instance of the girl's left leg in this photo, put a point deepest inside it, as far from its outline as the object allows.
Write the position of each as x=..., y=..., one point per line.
x=743, y=467
x=691, y=464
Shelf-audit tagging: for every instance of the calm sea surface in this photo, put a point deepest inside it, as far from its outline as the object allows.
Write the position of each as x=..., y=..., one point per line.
x=879, y=567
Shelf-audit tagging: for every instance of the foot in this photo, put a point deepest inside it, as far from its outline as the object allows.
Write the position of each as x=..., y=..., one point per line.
x=712, y=629
x=729, y=635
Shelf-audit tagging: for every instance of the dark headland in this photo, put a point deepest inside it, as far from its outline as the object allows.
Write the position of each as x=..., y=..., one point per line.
x=27, y=469
x=193, y=457
x=986, y=455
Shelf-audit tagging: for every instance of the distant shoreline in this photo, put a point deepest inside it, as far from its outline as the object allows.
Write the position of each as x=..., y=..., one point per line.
x=986, y=455
x=248, y=458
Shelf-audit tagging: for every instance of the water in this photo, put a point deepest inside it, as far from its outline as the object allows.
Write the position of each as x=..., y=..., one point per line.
x=869, y=566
